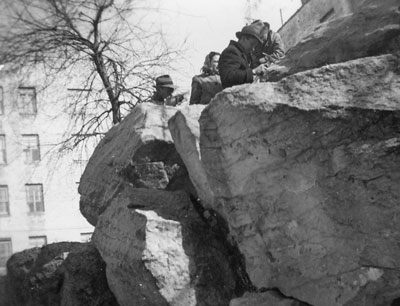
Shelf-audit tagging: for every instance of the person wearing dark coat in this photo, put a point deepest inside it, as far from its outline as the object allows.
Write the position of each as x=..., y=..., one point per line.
x=163, y=93
x=235, y=60
x=271, y=50
x=206, y=85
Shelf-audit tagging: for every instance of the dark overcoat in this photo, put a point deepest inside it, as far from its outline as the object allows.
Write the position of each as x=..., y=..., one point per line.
x=204, y=88
x=234, y=66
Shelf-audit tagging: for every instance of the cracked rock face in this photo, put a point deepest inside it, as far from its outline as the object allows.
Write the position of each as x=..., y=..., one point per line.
x=138, y=151
x=265, y=299
x=163, y=253
x=157, y=247
x=306, y=173
x=185, y=131
x=372, y=31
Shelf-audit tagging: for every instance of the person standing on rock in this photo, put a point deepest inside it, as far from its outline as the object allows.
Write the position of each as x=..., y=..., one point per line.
x=235, y=60
x=164, y=89
x=206, y=85
x=271, y=50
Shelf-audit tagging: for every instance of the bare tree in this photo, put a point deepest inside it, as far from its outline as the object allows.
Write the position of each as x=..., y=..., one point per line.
x=107, y=41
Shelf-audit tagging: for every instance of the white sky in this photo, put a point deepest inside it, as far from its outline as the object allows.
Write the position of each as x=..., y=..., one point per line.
x=209, y=25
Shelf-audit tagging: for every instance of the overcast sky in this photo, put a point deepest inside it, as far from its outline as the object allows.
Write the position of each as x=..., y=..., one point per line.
x=209, y=25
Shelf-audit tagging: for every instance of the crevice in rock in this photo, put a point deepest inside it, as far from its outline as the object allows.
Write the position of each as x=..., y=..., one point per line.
x=276, y=292
x=157, y=150
x=152, y=165
x=236, y=260
x=237, y=263
x=158, y=165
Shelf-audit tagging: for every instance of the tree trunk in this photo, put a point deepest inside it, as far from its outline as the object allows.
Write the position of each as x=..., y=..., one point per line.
x=101, y=69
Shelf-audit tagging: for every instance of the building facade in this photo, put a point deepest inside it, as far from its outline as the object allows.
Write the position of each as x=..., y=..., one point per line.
x=311, y=14
x=39, y=203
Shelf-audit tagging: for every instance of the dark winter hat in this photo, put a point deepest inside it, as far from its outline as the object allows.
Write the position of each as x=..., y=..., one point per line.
x=255, y=29
x=165, y=81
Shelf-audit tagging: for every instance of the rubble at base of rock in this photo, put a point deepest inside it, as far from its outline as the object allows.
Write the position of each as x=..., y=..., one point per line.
x=65, y=273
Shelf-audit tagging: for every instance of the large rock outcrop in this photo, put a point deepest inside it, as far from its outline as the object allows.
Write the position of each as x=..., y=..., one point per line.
x=185, y=131
x=159, y=247
x=306, y=172
x=298, y=180
x=139, y=152
x=372, y=31
x=163, y=253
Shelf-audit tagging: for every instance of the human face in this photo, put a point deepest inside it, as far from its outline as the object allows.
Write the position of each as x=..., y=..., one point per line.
x=249, y=43
x=164, y=92
x=214, y=63
x=253, y=43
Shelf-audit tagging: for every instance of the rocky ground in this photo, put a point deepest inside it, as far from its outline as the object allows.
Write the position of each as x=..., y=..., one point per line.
x=65, y=273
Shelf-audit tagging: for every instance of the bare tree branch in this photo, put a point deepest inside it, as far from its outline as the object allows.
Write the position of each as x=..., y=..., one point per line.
x=116, y=58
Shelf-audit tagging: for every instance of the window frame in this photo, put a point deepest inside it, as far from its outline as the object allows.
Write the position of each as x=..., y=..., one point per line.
x=1, y=100
x=3, y=259
x=3, y=149
x=32, y=238
x=23, y=108
x=6, y=212
x=33, y=206
x=29, y=151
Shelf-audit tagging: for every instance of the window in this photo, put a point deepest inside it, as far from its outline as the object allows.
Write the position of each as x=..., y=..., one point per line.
x=31, y=148
x=83, y=103
x=34, y=197
x=1, y=101
x=327, y=16
x=3, y=155
x=37, y=241
x=27, y=100
x=86, y=237
x=79, y=96
x=5, y=251
x=4, y=206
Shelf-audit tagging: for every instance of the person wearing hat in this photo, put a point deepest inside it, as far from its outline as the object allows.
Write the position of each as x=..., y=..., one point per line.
x=206, y=85
x=271, y=50
x=164, y=89
x=235, y=60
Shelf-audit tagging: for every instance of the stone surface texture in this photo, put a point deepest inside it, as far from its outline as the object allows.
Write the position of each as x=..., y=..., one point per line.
x=306, y=173
x=373, y=30
x=185, y=131
x=140, y=151
x=162, y=253
x=60, y=274
x=269, y=298
x=286, y=190
x=158, y=248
